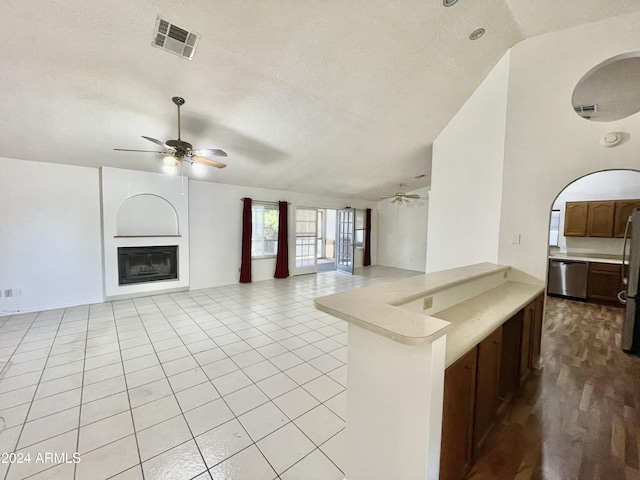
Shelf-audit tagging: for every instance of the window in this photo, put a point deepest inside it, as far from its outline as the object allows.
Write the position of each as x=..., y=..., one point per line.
x=264, y=230
x=554, y=230
x=360, y=228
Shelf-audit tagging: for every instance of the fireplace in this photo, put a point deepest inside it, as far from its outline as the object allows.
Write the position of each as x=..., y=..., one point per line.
x=147, y=264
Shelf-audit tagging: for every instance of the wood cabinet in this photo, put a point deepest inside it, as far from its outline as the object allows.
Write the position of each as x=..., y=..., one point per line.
x=536, y=331
x=600, y=219
x=575, y=219
x=487, y=386
x=606, y=219
x=623, y=210
x=456, y=452
x=510, y=356
x=604, y=282
x=476, y=385
x=525, y=343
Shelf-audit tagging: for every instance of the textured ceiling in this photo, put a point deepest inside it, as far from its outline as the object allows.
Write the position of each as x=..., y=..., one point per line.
x=322, y=96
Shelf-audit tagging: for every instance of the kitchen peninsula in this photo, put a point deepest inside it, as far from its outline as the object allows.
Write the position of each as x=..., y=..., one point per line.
x=476, y=323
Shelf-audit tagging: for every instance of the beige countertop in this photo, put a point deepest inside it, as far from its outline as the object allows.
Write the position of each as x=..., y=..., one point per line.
x=378, y=308
x=587, y=258
x=475, y=319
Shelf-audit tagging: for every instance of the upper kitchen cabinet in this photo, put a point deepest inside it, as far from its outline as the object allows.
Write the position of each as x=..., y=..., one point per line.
x=622, y=213
x=606, y=218
x=575, y=219
x=600, y=219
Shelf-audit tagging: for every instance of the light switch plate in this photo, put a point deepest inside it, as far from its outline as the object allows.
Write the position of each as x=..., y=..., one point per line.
x=515, y=239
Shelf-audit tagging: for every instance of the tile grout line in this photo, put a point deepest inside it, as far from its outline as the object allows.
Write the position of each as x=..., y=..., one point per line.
x=126, y=385
x=38, y=385
x=172, y=391
x=8, y=362
x=235, y=417
x=84, y=362
x=293, y=420
x=275, y=314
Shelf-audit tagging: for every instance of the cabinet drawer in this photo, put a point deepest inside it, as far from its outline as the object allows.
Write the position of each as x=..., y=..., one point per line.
x=605, y=267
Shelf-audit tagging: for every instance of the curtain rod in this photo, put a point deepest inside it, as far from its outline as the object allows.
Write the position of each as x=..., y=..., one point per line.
x=263, y=201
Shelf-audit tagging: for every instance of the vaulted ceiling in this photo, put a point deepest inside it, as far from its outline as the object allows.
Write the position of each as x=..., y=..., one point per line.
x=334, y=97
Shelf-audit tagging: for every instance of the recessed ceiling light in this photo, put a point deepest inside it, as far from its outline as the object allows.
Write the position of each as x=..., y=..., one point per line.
x=449, y=3
x=476, y=34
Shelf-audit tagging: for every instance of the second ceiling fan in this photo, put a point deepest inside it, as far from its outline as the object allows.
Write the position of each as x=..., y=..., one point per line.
x=401, y=197
x=178, y=151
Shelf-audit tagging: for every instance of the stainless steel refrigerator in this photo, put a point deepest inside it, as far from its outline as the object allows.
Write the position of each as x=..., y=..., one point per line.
x=629, y=296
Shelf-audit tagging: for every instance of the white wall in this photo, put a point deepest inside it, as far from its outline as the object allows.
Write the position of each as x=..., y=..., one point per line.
x=49, y=235
x=402, y=232
x=547, y=144
x=216, y=230
x=609, y=185
x=466, y=188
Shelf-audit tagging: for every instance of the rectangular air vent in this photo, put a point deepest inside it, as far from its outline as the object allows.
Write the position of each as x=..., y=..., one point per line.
x=174, y=39
x=586, y=110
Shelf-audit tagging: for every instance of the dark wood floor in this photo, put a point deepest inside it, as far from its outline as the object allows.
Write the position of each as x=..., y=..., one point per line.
x=579, y=416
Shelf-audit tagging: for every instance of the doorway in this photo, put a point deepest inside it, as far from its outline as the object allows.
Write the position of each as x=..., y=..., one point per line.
x=326, y=240
x=315, y=240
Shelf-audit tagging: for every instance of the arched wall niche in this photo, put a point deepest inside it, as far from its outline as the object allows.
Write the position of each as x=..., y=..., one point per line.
x=147, y=214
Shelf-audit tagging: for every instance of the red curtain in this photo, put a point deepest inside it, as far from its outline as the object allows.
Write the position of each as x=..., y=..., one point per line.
x=245, y=267
x=367, y=239
x=282, y=259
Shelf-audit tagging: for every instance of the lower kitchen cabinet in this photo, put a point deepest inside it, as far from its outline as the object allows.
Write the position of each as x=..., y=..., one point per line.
x=487, y=386
x=476, y=385
x=604, y=282
x=510, y=356
x=456, y=450
x=536, y=331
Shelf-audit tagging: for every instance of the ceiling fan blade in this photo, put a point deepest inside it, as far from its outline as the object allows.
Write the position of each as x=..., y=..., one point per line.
x=210, y=152
x=211, y=163
x=413, y=195
x=158, y=142
x=146, y=151
x=385, y=198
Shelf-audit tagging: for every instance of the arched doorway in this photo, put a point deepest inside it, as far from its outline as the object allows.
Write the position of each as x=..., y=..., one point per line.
x=586, y=230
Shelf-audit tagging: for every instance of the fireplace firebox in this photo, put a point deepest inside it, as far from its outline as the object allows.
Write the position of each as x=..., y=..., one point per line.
x=147, y=264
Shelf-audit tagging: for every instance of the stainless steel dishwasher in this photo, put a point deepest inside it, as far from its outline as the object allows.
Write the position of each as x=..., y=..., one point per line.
x=568, y=278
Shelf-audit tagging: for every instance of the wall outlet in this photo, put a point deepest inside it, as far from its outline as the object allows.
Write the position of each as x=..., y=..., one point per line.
x=8, y=292
x=505, y=275
x=427, y=303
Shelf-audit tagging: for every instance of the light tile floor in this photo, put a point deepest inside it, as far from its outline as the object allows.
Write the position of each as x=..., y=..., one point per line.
x=239, y=382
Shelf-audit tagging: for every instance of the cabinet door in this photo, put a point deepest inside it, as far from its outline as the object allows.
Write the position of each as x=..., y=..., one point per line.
x=525, y=343
x=510, y=358
x=600, y=219
x=603, y=283
x=623, y=210
x=575, y=219
x=457, y=417
x=536, y=330
x=487, y=386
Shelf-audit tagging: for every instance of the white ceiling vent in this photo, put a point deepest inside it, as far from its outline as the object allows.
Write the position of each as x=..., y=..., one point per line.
x=586, y=110
x=175, y=39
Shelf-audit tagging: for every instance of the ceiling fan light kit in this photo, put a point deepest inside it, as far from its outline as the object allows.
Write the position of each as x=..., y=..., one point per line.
x=178, y=151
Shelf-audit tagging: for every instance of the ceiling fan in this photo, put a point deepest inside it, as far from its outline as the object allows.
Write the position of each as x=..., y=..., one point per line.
x=401, y=197
x=178, y=151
